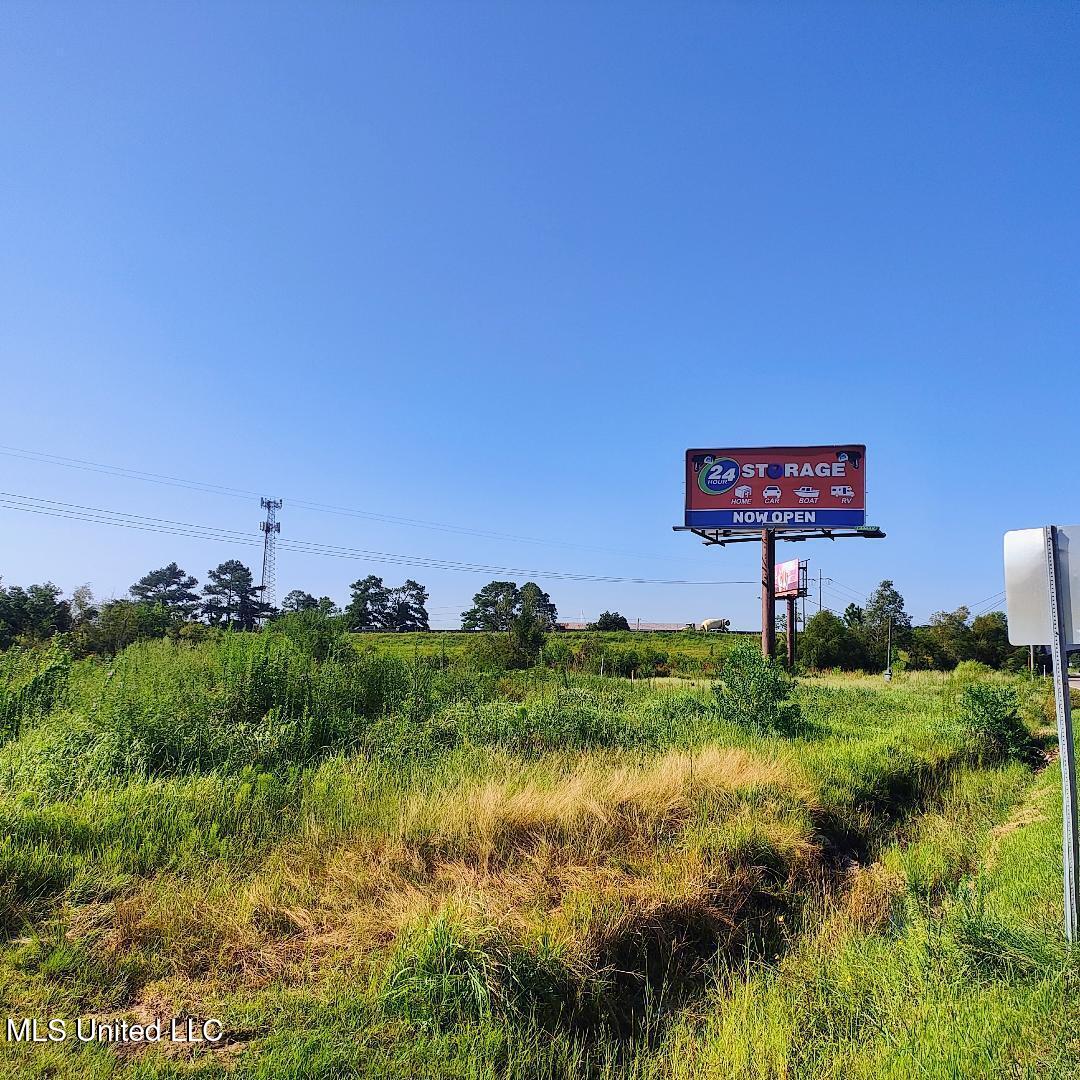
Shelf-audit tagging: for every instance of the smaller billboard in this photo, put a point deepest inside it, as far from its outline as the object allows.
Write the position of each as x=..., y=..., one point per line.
x=790, y=578
x=776, y=487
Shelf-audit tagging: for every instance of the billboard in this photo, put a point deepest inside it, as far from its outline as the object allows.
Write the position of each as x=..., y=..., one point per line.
x=790, y=578
x=776, y=487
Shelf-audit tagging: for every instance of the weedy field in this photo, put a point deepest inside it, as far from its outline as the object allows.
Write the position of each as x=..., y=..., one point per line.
x=371, y=861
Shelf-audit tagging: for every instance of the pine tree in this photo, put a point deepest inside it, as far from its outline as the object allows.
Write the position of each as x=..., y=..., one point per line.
x=171, y=587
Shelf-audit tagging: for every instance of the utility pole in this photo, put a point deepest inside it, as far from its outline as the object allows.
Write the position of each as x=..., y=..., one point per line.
x=819, y=590
x=768, y=593
x=270, y=529
x=888, y=654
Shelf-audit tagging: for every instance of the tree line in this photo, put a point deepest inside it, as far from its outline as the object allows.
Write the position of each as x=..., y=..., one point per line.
x=169, y=602
x=859, y=638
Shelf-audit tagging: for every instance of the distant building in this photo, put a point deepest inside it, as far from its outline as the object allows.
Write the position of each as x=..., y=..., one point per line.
x=634, y=625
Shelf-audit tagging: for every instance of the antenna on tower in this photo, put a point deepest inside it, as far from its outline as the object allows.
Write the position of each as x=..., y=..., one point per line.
x=270, y=528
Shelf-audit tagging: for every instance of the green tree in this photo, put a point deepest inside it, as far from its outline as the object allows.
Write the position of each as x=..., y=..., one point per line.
x=949, y=638
x=298, y=600
x=405, y=608
x=885, y=605
x=122, y=622
x=494, y=607
x=922, y=650
x=534, y=617
x=232, y=598
x=499, y=603
x=171, y=587
x=609, y=620
x=990, y=643
x=367, y=609
x=537, y=603
x=853, y=617
x=32, y=614
x=83, y=608
x=828, y=642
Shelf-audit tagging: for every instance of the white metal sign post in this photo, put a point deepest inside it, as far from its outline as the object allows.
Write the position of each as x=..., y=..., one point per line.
x=1052, y=618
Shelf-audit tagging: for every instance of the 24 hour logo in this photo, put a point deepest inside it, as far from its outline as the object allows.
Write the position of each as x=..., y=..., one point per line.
x=719, y=475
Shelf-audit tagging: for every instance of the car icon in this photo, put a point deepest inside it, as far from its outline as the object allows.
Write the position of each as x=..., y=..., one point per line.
x=807, y=492
x=772, y=493
x=842, y=491
x=743, y=491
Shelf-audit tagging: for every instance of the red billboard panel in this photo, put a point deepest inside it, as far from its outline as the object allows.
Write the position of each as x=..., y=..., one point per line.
x=779, y=487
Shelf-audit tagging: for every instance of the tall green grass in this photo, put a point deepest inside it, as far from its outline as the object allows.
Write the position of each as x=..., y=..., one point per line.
x=250, y=764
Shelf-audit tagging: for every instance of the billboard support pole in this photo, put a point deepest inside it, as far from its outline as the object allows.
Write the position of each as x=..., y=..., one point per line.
x=1058, y=647
x=768, y=593
x=792, y=618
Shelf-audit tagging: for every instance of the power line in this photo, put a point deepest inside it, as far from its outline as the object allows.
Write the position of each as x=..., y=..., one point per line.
x=989, y=599
x=124, y=472
x=844, y=597
x=854, y=592
x=984, y=606
x=120, y=519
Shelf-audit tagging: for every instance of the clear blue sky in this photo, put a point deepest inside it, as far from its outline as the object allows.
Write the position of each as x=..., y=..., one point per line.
x=498, y=265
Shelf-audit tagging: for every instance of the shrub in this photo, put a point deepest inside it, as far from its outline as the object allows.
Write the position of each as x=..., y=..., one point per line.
x=989, y=716
x=490, y=652
x=599, y=656
x=755, y=692
x=969, y=671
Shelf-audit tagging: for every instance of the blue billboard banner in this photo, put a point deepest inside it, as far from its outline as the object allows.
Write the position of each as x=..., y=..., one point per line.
x=779, y=518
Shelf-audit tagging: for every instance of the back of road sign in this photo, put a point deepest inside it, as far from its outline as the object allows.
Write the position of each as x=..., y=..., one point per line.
x=1026, y=585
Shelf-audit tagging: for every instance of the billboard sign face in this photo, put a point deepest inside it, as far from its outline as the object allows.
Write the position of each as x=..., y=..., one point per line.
x=1027, y=594
x=788, y=577
x=776, y=487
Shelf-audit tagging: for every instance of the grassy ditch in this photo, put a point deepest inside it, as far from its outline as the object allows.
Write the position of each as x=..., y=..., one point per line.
x=944, y=958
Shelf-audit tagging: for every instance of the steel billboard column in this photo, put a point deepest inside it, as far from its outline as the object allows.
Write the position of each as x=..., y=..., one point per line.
x=792, y=618
x=768, y=593
x=1058, y=644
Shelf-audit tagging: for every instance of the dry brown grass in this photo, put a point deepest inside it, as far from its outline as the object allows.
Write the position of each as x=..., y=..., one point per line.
x=868, y=903
x=594, y=808
x=584, y=857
